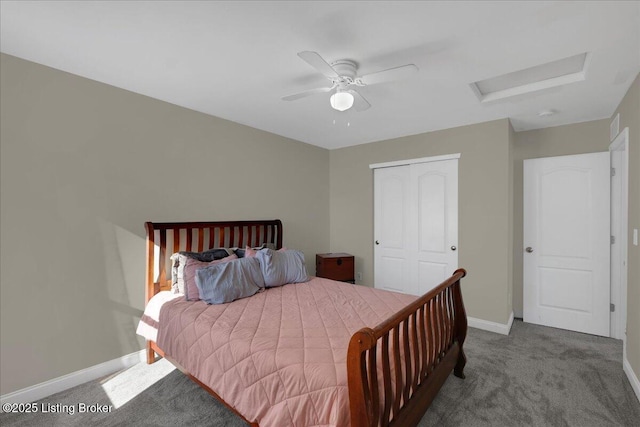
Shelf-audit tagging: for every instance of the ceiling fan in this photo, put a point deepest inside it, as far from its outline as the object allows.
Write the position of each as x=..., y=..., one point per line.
x=344, y=80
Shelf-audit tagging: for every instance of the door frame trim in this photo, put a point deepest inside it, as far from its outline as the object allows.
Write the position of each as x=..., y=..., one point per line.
x=619, y=317
x=414, y=161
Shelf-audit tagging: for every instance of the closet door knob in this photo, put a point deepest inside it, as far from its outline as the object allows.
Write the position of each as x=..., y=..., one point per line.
x=377, y=243
x=529, y=249
x=453, y=248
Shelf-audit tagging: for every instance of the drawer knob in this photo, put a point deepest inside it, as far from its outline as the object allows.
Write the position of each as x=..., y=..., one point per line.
x=339, y=261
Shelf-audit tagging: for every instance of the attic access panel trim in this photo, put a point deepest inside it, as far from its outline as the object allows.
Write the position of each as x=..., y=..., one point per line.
x=552, y=74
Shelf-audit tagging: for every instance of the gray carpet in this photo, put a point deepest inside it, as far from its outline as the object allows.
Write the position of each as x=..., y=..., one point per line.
x=536, y=376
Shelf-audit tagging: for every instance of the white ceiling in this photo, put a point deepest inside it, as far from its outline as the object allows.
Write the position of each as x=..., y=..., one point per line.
x=235, y=60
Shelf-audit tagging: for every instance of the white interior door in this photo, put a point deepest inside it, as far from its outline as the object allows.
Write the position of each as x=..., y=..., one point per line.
x=566, y=239
x=416, y=225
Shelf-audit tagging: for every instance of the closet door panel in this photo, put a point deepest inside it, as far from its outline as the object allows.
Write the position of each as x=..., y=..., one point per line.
x=391, y=249
x=415, y=225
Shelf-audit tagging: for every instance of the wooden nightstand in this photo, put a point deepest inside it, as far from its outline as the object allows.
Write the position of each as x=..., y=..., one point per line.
x=337, y=266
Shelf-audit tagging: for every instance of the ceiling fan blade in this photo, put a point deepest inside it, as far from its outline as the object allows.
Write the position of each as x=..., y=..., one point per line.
x=306, y=93
x=359, y=102
x=317, y=62
x=391, y=74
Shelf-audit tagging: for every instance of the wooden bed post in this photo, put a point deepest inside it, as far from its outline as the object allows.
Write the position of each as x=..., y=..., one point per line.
x=149, y=287
x=460, y=328
x=359, y=393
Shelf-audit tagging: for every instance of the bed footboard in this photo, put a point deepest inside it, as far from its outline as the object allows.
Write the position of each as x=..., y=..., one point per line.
x=396, y=369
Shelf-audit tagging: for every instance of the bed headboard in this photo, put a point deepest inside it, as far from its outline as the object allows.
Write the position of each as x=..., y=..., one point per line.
x=166, y=238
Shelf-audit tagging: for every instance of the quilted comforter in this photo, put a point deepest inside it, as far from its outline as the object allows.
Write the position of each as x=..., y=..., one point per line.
x=278, y=357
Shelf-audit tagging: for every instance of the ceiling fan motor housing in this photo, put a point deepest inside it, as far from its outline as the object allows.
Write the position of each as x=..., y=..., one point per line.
x=346, y=69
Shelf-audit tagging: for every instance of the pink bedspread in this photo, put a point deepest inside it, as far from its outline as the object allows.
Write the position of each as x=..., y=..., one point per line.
x=278, y=357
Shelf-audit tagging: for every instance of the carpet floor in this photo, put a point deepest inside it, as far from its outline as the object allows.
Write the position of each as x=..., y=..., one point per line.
x=536, y=376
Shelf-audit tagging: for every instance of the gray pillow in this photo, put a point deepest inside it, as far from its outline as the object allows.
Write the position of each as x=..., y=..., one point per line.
x=179, y=260
x=282, y=267
x=222, y=283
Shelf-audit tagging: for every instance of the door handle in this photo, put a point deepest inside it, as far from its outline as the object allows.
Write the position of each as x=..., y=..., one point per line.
x=453, y=248
x=377, y=243
x=529, y=249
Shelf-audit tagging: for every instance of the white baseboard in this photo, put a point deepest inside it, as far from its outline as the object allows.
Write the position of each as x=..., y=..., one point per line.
x=485, y=325
x=633, y=378
x=47, y=388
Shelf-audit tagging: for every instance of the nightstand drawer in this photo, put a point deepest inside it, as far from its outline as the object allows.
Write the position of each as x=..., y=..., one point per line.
x=337, y=266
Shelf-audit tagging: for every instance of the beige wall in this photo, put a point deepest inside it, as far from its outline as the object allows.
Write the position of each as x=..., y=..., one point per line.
x=629, y=110
x=580, y=138
x=83, y=166
x=484, y=241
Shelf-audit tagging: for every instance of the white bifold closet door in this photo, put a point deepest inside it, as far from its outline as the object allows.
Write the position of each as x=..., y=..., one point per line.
x=415, y=225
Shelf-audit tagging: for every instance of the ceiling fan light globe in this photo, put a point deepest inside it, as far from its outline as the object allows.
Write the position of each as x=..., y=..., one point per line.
x=341, y=101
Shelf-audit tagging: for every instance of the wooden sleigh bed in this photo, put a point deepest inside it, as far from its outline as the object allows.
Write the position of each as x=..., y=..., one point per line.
x=394, y=369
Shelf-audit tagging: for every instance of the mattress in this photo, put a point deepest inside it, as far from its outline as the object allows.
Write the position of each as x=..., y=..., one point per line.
x=278, y=357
